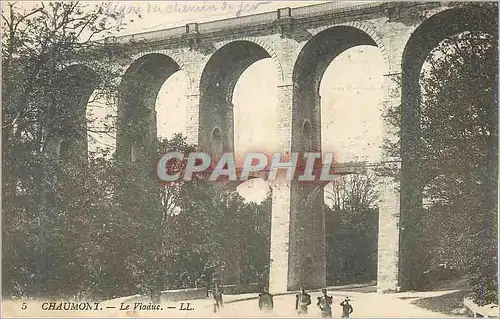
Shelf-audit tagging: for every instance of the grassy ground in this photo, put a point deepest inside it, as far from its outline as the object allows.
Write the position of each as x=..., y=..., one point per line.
x=444, y=304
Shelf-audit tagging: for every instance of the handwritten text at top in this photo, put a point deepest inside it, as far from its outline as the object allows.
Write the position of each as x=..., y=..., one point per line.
x=183, y=7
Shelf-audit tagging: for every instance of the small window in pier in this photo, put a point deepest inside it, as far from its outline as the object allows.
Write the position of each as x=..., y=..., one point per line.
x=306, y=129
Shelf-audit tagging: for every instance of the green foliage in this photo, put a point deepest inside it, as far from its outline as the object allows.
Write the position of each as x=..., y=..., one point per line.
x=39, y=42
x=459, y=161
x=257, y=221
x=352, y=230
x=116, y=231
x=89, y=226
x=216, y=227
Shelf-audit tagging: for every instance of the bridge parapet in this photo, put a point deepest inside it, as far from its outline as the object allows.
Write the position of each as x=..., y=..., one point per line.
x=250, y=20
x=243, y=25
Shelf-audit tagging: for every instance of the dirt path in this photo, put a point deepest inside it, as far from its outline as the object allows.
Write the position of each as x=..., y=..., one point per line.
x=365, y=304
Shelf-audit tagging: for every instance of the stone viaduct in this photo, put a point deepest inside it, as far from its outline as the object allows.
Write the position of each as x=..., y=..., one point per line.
x=301, y=42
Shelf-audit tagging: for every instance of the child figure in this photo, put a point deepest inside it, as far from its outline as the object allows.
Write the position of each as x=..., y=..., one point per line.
x=346, y=308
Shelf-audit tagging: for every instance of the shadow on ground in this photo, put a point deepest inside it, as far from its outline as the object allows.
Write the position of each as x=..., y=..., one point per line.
x=369, y=288
x=445, y=304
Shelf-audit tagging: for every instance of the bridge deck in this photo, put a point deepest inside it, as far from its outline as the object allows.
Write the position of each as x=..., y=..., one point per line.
x=300, y=15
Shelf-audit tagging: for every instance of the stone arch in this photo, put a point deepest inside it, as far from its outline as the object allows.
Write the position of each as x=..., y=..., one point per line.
x=443, y=24
x=362, y=26
x=217, y=82
x=78, y=78
x=233, y=185
x=216, y=133
x=433, y=30
x=137, y=95
x=174, y=56
x=78, y=82
x=312, y=61
x=436, y=28
x=96, y=99
x=366, y=36
x=265, y=45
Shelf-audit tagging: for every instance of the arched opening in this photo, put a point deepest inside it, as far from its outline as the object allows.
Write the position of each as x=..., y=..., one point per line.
x=351, y=226
x=255, y=116
x=217, y=88
x=254, y=99
x=351, y=118
x=307, y=134
x=309, y=69
x=78, y=84
x=258, y=194
x=345, y=118
x=101, y=129
x=306, y=128
x=216, y=134
x=216, y=143
x=137, y=104
x=429, y=170
x=172, y=105
x=254, y=190
x=236, y=87
x=144, y=113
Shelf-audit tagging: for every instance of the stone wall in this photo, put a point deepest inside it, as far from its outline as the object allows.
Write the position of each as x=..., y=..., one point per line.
x=184, y=294
x=170, y=295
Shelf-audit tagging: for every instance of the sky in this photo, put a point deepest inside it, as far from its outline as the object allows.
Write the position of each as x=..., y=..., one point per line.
x=155, y=15
x=351, y=91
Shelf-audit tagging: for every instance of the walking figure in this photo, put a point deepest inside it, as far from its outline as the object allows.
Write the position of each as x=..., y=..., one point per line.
x=155, y=295
x=218, y=296
x=325, y=304
x=212, y=297
x=346, y=308
x=266, y=300
x=302, y=301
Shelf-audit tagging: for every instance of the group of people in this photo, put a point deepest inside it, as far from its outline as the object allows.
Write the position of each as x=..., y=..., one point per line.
x=303, y=300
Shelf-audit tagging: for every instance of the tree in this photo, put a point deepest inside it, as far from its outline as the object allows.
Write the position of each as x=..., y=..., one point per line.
x=257, y=225
x=459, y=129
x=91, y=235
x=79, y=224
x=39, y=43
x=186, y=229
x=217, y=222
x=460, y=163
x=352, y=229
